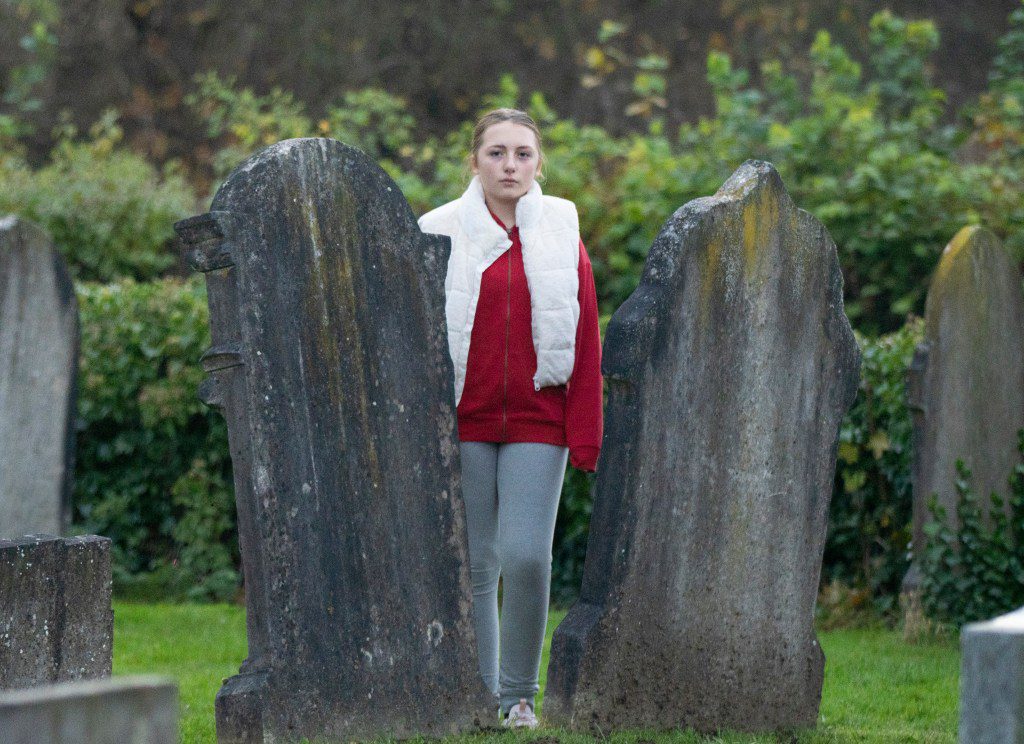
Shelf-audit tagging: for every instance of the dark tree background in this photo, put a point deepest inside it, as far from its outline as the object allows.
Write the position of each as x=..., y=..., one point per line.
x=441, y=55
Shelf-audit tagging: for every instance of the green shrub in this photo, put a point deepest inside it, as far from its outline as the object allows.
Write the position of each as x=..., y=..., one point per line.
x=152, y=470
x=977, y=572
x=866, y=148
x=571, y=532
x=109, y=212
x=869, y=519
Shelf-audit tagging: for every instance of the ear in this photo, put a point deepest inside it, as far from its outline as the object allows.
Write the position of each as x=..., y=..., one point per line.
x=472, y=164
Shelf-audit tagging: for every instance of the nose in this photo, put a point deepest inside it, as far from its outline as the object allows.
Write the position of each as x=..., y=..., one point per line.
x=510, y=162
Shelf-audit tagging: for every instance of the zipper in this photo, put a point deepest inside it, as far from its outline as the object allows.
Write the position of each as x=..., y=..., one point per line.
x=508, y=323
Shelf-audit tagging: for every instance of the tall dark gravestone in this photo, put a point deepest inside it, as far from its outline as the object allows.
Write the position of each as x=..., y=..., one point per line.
x=38, y=375
x=967, y=382
x=331, y=364
x=729, y=370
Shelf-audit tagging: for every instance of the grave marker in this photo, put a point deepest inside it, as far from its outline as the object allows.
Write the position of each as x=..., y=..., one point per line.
x=56, y=621
x=38, y=368
x=966, y=387
x=331, y=364
x=729, y=370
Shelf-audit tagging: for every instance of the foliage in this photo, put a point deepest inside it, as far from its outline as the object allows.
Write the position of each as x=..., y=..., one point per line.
x=975, y=572
x=109, y=211
x=153, y=471
x=39, y=46
x=571, y=532
x=869, y=520
x=864, y=148
x=997, y=133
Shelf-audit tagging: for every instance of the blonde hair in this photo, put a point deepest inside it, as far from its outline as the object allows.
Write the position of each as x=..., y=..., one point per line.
x=497, y=116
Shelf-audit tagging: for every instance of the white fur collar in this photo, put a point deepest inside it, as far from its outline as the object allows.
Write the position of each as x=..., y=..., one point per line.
x=483, y=229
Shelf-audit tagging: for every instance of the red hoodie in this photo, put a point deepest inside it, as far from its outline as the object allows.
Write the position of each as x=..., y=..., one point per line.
x=499, y=403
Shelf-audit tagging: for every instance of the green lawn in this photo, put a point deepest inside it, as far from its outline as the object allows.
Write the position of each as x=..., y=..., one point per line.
x=877, y=688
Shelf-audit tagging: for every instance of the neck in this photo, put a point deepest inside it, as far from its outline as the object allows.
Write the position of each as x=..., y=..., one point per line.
x=503, y=210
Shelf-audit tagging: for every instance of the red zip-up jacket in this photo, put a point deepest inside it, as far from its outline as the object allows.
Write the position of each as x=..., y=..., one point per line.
x=499, y=403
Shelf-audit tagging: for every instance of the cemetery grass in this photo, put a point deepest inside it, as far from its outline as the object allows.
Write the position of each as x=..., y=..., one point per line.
x=877, y=687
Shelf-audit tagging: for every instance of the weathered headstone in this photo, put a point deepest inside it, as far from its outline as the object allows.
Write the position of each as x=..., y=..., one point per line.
x=125, y=710
x=38, y=367
x=729, y=370
x=992, y=681
x=966, y=386
x=330, y=361
x=56, y=620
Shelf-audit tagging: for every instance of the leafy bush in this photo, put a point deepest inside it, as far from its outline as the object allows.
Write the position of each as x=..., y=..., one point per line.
x=108, y=210
x=977, y=572
x=866, y=148
x=869, y=519
x=571, y=532
x=153, y=471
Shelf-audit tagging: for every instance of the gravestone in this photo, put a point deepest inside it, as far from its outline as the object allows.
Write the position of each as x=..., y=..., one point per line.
x=56, y=621
x=992, y=681
x=330, y=361
x=729, y=370
x=966, y=384
x=125, y=710
x=38, y=367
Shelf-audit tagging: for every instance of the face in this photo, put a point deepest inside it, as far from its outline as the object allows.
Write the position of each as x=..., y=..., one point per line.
x=507, y=161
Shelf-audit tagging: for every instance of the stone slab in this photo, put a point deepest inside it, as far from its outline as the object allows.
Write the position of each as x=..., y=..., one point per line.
x=966, y=384
x=330, y=361
x=729, y=370
x=992, y=681
x=56, y=619
x=38, y=369
x=124, y=710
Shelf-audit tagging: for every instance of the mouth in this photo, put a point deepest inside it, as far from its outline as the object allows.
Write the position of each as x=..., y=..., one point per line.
x=509, y=181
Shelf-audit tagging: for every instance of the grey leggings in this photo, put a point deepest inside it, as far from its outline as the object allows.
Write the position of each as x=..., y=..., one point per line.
x=511, y=492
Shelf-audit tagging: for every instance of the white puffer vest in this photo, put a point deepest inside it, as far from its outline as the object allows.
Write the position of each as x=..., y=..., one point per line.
x=550, y=234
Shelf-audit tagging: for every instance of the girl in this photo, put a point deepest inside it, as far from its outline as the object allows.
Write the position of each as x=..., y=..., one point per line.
x=523, y=336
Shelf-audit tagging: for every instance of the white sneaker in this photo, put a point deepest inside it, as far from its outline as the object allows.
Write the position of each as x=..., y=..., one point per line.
x=521, y=716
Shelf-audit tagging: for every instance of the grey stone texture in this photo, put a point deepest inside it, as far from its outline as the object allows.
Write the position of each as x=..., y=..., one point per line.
x=992, y=681
x=56, y=619
x=330, y=362
x=38, y=369
x=729, y=370
x=125, y=710
x=966, y=383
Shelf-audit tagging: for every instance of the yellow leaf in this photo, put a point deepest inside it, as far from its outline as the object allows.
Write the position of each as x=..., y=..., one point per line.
x=878, y=444
x=848, y=452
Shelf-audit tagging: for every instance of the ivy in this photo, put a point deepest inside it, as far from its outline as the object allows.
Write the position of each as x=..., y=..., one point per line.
x=976, y=572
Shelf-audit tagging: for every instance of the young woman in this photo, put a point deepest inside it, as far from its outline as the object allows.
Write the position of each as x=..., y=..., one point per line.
x=523, y=336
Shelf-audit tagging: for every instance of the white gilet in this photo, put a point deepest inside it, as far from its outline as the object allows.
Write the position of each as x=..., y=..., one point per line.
x=550, y=235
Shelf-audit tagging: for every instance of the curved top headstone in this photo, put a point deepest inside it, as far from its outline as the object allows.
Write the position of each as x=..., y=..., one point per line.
x=730, y=368
x=38, y=381
x=330, y=360
x=967, y=391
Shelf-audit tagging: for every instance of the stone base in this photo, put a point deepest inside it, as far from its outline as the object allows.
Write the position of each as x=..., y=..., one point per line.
x=260, y=707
